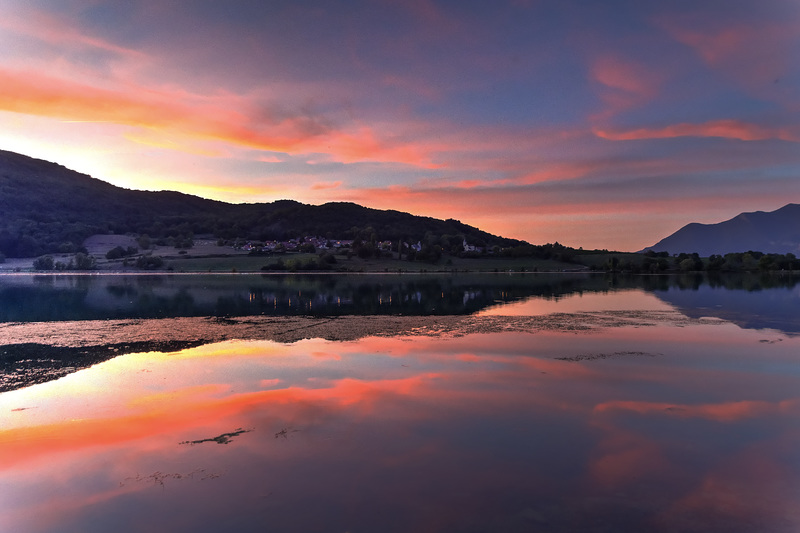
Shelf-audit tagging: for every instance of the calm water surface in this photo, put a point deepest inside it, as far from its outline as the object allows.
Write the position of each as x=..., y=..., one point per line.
x=683, y=426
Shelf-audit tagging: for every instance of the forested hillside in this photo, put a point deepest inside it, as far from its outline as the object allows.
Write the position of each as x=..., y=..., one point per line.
x=47, y=208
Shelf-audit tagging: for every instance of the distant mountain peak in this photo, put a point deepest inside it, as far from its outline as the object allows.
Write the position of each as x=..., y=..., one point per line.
x=769, y=232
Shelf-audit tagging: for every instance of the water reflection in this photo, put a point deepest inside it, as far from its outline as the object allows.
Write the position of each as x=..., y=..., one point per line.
x=584, y=301
x=756, y=307
x=773, y=298
x=626, y=429
x=48, y=298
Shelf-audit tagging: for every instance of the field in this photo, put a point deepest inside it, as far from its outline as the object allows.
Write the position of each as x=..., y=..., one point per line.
x=245, y=263
x=207, y=256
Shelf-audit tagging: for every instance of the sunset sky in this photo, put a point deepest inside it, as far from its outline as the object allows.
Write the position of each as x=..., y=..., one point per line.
x=601, y=124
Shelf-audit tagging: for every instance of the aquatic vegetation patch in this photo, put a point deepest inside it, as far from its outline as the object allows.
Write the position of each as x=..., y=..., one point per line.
x=285, y=432
x=596, y=356
x=225, y=438
x=64, y=347
x=159, y=478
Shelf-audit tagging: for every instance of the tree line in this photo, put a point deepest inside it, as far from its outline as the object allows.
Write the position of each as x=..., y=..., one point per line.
x=658, y=262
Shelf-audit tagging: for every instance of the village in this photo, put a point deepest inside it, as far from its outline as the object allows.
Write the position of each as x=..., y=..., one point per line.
x=312, y=244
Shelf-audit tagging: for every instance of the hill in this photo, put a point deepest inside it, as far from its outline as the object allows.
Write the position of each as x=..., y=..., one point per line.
x=769, y=232
x=47, y=208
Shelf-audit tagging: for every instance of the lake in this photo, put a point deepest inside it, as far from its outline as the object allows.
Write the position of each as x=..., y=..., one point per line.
x=388, y=402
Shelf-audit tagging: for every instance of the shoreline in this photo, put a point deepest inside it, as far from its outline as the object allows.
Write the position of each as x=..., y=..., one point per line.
x=285, y=272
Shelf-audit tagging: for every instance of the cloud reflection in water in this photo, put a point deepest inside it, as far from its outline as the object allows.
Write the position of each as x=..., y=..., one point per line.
x=477, y=432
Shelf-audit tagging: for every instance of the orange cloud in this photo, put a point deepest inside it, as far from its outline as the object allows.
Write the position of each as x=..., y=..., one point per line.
x=155, y=139
x=559, y=171
x=198, y=117
x=228, y=191
x=35, y=94
x=331, y=356
x=728, y=129
x=364, y=145
x=322, y=185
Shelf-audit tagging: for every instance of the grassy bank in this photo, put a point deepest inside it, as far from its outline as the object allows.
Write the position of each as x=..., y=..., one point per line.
x=296, y=262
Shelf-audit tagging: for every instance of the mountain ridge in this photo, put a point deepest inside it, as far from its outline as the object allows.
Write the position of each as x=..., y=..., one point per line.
x=46, y=208
x=775, y=231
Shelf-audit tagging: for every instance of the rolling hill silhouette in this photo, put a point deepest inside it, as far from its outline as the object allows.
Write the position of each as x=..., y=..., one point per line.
x=47, y=208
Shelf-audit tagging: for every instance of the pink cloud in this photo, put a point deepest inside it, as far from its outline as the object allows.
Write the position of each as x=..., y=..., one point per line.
x=753, y=45
x=624, y=83
x=756, y=55
x=723, y=412
x=56, y=31
x=621, y=74
x=623, y=458
x=748, y=486
x=728, y=129
x=269, y=159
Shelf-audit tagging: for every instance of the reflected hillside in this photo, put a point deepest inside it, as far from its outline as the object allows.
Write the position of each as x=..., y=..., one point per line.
x=750, y=301
x=55, y=298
